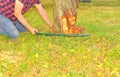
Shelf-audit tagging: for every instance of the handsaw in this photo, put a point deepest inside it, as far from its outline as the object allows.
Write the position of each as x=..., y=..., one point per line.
x=60, y=34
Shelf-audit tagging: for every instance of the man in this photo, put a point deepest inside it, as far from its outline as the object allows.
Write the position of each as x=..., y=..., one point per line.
x=12, y=21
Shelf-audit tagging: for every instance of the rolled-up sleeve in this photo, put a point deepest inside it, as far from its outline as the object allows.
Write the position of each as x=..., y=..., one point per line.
x=22, y=1
x=37, y=2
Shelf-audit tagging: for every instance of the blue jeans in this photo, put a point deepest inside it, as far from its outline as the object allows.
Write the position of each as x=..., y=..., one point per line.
x=7, y=27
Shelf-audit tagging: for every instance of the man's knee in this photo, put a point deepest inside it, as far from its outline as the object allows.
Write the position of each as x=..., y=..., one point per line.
x=13, y=34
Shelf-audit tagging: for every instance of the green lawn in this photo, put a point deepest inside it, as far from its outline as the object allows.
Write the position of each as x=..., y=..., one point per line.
x=41, y=56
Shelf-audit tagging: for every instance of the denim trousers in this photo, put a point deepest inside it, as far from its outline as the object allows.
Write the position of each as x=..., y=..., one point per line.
x=7, y=27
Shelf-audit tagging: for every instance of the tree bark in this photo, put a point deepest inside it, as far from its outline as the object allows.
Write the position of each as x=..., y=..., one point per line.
x=65, y=15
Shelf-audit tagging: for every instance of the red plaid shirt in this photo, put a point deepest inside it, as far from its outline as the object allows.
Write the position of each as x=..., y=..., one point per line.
x=7, y=7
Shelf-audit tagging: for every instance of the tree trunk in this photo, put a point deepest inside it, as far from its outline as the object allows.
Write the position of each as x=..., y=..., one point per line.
x=65, y=15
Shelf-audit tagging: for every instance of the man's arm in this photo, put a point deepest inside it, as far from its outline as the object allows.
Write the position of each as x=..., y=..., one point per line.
x=44, y=14
x=19, y=16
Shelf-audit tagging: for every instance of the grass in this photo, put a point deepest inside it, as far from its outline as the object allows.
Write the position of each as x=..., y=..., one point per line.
x=41, y=56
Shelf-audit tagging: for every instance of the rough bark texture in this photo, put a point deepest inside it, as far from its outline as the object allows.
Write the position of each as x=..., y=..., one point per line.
x=65, y=15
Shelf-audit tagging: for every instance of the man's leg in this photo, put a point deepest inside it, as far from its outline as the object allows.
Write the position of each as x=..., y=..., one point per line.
x=8, y=28
x=20, y=27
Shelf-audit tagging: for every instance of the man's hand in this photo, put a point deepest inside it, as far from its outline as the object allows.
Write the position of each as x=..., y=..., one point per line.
x=53, y=29
x=33, y=30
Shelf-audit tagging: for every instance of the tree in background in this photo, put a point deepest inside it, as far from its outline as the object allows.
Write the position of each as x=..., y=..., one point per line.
x=65, y=16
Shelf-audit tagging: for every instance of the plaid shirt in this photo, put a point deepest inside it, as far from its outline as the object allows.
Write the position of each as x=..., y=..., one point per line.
x=7, y=7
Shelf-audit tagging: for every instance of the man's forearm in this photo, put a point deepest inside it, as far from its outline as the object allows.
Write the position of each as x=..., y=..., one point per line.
x=23, y=21
x=44, y=15
x=19, y=16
